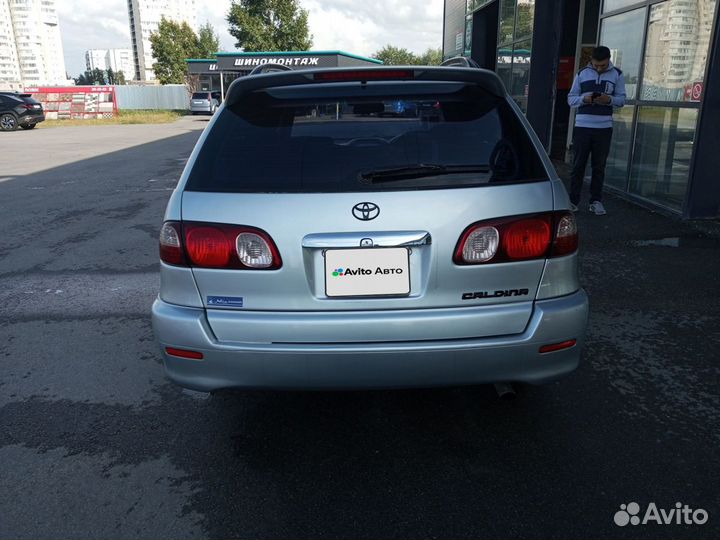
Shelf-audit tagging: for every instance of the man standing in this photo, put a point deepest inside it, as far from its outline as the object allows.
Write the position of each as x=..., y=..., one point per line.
x=597, y=90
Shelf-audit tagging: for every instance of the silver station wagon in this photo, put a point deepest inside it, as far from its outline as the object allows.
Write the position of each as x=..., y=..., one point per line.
x=316, y=242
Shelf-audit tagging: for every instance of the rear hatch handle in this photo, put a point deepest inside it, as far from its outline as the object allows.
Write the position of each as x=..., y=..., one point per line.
x=367, y=239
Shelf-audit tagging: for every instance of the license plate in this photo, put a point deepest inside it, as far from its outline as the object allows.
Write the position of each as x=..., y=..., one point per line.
x=367, y=272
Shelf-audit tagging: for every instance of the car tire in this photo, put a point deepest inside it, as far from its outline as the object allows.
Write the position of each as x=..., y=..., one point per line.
x=8, y=122
x=29, y=126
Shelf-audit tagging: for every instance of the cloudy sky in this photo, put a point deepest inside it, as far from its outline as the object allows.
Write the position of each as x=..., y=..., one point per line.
x=355, y=26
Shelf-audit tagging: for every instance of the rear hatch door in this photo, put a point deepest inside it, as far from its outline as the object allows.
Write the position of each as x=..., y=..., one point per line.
x=367, y=210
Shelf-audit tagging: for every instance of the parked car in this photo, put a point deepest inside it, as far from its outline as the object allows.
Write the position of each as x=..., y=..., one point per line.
x=19, y=110
x=354, y=251
x=204, y=102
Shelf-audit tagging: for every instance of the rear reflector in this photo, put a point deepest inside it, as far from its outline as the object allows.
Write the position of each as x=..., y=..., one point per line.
x=182, y=353
x=368, y=75
x=558, y=346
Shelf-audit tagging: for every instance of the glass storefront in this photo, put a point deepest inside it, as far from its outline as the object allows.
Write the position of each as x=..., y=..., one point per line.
x=617, y=162
x=507, y=22
x=662, y=49
x=612, y=5
x=676, y=51
x=515, y=47
x=521, y=73
x=623, y=35
x=663, y=148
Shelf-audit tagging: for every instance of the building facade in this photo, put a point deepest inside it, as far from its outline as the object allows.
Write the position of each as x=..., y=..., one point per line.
x=662, y=152
x=145, y=16
x=31, y=51
x=95, y=59
x=216, y=74
x=114, y=59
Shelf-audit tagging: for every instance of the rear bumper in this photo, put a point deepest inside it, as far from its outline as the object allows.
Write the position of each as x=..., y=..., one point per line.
x=514, y=358
x=28, y=120
x=201, y=108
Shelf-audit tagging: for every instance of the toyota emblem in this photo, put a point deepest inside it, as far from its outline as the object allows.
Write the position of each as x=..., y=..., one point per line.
x=365, y=211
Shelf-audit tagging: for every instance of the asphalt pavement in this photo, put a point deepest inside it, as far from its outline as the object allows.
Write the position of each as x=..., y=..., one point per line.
x=96, y=443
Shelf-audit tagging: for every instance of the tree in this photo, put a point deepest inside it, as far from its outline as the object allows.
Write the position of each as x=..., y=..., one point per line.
x=82, y=79
x=171, y=45
x=395, y=56
x=208, y=41
x=98, y=76
x=431, y=57
x=269, y=25
x=115, y=77
x=95, y=77
x=525, y=19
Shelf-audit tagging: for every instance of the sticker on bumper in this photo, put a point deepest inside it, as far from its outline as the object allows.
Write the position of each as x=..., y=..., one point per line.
x=225, y=301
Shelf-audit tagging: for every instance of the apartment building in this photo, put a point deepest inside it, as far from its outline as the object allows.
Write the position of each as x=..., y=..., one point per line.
x=31, y=51
x=115, y=59
x=145, y=18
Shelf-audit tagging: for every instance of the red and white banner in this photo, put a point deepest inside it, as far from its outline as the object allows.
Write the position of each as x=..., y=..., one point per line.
x=75, y=102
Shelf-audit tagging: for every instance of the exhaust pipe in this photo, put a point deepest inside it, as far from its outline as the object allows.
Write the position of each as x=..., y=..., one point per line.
x=505, y=391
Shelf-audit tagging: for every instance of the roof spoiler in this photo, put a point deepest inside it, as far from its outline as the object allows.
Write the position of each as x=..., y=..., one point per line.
x=293, y=77
x=269, y=68
x=460, y=61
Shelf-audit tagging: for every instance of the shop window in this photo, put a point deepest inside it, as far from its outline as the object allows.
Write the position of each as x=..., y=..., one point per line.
x=507, y=21
x=616, y=168
x=521, y=73
x=525, y=18
x=663, y=148
x=612, y=5
x=675, y=61
x=623, y=35
x=503, y=67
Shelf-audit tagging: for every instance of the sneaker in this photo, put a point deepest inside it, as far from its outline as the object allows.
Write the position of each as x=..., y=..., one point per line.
x=597, y=208
x=573, y=208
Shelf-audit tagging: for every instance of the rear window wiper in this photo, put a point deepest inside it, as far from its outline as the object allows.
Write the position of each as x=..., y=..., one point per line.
x=418, y=171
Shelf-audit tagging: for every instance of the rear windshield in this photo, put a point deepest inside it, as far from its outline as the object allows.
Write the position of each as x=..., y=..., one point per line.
x=275, y=143
x=200, y=95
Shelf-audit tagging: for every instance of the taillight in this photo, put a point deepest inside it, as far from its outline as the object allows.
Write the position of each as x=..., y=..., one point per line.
x=215, y=245
x=253, y=250
x=171, y=251
x=566, y=234
x=481, y=245
x=208, y=247
x=527, y=238
x=518, y=238
x=26, y=106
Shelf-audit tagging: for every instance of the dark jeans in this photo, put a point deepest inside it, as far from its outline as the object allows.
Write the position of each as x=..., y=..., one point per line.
x=588, y=141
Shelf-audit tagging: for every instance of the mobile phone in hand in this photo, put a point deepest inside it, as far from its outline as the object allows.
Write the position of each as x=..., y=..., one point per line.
x=596, y=95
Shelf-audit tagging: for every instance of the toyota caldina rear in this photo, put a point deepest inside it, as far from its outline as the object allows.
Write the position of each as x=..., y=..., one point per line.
x=315, y=241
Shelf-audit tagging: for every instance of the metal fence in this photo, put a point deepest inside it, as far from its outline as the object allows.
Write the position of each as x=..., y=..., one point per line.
x=171, y=96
